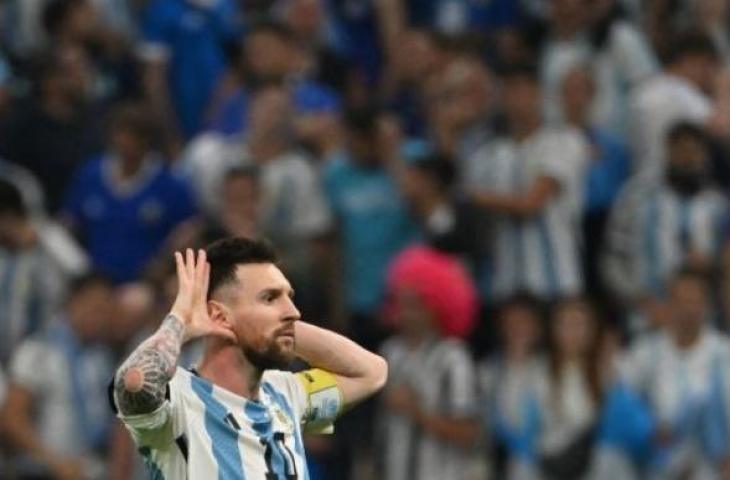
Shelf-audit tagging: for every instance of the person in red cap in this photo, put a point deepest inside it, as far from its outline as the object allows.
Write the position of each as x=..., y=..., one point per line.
x=428, y=413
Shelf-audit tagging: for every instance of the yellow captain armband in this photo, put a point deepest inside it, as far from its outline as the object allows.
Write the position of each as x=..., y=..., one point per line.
x=324, y=400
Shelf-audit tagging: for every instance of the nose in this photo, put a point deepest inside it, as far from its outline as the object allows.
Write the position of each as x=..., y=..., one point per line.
x=292, y=312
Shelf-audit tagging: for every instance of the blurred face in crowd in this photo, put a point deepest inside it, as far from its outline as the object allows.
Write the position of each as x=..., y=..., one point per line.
x=128, y=144
x=82, y=22
x=521, y=99
x=362, y=146
x=90, y=309
x=689, y=303
x=271, y=114
x=135, y=304
x=414, y=319
x=269, y=56
x=462, y=96
x=240, y=206
x=687, y=169
x=15, y=231
x=574, y=329
x=578, y=91
x=71, y=76
x=520, y=330
x=702, y=69
x=416, y=56
x=568, y=16
x=304, y=18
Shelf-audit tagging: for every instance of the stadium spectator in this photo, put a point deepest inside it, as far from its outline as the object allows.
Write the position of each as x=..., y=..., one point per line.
x=608, y=168
x=657, y=227
x=181, y=39
x=689, y=76
x=32, y=273
x=461, y=109
x=531, y=180
x=52, y=416
x=448, y=223
x=682, y=372
x=429, y=404
x=509, y=385
x=57, y=127
x=272, y=54
x=372, y=219
x=124, y=203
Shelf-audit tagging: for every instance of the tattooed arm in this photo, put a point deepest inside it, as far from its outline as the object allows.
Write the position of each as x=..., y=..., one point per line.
x=141, y=382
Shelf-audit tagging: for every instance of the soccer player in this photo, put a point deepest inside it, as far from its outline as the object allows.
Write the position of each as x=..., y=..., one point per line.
x=237, y=416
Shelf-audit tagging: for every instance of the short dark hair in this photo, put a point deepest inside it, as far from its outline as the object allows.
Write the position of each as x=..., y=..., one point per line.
x=528, y=71
x=56, y=13
x=246, y=171
x=226, y=254
x=438, y=168
x=687, y=130
x=688, y=43
x=11, y=200
x=137, y=118
x=274, y=27
x=363, y=120
x=81, y=282
x=523, y=300
x=691, y=273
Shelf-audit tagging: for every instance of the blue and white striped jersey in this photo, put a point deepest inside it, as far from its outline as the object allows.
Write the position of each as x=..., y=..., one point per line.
x=206, y=432
x=540, y=253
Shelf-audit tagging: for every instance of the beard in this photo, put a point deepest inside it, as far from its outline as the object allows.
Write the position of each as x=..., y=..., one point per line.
x=272, y=358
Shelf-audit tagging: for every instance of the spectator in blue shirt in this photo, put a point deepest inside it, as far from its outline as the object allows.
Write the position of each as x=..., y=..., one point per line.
x=183, y=48
x=374, y=223
x=125, y=202
x=270, y=55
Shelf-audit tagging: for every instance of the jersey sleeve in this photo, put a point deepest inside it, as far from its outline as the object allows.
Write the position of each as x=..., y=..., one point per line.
x=160, y=428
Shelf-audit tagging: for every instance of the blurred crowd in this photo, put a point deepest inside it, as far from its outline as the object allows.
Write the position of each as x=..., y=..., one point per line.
x=522, y=204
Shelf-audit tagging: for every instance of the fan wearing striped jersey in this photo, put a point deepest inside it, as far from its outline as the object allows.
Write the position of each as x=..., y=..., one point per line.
x=238, y=415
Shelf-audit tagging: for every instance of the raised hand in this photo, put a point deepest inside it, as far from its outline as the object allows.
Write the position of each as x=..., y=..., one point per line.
x=190, y=307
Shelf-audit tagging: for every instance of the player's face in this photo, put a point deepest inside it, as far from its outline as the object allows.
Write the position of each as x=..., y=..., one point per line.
x=264, y=314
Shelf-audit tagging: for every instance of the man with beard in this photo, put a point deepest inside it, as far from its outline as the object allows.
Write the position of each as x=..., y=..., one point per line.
x=236, y=416
x=656, y=227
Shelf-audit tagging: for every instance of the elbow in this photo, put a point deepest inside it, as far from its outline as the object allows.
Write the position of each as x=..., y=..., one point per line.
x=380, y=373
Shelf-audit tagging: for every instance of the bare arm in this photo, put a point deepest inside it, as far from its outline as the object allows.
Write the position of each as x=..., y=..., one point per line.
x=525, y=205
x=141, y=382
x=359, y=372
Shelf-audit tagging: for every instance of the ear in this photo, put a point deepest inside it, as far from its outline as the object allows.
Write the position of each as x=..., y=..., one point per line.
x=220, y=314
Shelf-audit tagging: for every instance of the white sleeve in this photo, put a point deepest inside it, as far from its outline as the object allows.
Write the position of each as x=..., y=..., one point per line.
x=631, y=52
x=158, y=429
x=563, y=158
x=29, y=365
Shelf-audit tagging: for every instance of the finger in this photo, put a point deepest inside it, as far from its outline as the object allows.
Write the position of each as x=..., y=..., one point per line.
x=190, y=263
x=180, y=266
x=206, y=281
x=199, y=276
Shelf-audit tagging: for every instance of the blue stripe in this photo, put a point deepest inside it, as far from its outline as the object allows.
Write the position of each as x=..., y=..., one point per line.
x=154, y=470
x=223, y=438
x=548, y=253
x=298, y=444
x=261, y=423
x=652, y=245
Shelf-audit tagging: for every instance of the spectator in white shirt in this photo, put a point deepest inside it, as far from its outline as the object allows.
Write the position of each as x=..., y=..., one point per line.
x=656, y=227
x=531, y=180
x=682, y=92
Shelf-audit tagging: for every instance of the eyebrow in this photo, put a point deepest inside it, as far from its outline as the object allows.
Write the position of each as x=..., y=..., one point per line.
x=277, y=291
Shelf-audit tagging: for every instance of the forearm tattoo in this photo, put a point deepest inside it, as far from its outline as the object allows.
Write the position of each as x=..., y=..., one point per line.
x=140, y=382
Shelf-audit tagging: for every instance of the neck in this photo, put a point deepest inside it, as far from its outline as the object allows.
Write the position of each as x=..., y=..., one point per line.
x=265, y=149
x=687, y=340
x=227, y=367
x=128, y=168
x=428, y=204
x=523, y=129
